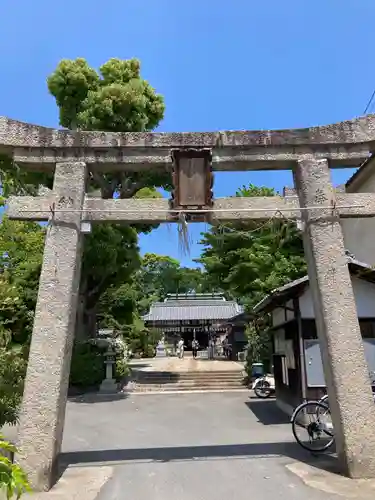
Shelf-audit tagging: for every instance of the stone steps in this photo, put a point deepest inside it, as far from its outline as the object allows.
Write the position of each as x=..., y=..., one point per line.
x=184, y=381
x=189, y=381
x=174, y=390
x=189, y=375
x=179, y=387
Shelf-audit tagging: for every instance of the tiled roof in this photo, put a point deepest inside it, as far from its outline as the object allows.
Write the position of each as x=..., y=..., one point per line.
x=175, y=310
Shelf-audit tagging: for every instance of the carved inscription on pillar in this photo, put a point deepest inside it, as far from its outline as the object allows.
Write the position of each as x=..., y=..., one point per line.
x=192, y=181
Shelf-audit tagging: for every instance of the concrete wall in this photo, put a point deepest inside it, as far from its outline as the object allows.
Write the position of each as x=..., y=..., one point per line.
x=359, y=234
x=364, y=293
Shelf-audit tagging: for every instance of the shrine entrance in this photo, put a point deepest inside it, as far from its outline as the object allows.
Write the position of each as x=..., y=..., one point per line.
x=74, y=155
x=202, y=316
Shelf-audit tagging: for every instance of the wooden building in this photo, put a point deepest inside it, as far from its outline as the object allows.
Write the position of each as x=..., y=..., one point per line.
x=200, y=316
x=298, y=367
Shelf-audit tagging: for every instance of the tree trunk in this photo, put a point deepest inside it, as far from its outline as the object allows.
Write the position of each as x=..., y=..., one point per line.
x=90, y=322
x=81, y=332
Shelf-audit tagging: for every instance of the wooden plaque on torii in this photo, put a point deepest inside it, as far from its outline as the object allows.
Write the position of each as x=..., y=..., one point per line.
x=192, y=182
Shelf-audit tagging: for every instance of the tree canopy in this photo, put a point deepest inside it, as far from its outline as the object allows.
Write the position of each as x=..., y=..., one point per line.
x=249, y=260
x=21, y=246
x=21, y=250
x=160, y=275
x=115, y=98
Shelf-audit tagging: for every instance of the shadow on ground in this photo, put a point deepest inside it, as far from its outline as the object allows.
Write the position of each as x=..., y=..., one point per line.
x=95, y=397
x=198, y=453
x=267, y=412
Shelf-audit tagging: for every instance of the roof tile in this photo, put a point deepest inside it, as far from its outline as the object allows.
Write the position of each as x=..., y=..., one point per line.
x=193, y=310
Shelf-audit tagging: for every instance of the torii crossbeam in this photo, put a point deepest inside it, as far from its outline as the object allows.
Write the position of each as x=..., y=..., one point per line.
x=308, y=152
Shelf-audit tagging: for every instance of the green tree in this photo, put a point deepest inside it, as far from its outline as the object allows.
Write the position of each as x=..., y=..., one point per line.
x=161, y=275
x=21, y=247
x=114, y=99
x=259, y=344
x=12, y=373
x=249, y=260
x=21, y=250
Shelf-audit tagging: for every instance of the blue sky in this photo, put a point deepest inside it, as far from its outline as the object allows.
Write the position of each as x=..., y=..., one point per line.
x=220, y=65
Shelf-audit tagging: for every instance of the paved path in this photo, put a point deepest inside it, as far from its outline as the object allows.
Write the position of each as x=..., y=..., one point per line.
x=185, y=447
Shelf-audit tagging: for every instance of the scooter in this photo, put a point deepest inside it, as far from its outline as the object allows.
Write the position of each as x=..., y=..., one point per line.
x=264, y=386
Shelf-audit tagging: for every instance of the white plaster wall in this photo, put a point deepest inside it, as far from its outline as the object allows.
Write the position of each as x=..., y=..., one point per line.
x=364, y=293
x=359, y=234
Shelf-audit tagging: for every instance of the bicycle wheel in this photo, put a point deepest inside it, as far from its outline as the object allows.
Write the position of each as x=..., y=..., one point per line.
x=323, y=400
x=314, y=418
x=263, y=389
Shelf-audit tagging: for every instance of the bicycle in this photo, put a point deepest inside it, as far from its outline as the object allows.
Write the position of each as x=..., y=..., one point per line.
x=315, y=418
x=321, y=429
x=264, y=386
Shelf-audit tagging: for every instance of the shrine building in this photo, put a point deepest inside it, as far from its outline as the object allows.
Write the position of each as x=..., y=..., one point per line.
x=201, y=316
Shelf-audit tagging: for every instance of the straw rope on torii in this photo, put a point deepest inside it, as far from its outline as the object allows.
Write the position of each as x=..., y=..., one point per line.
x=308, y=152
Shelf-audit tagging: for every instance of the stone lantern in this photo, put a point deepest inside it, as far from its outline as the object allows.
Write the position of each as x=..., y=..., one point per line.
x=109, y=385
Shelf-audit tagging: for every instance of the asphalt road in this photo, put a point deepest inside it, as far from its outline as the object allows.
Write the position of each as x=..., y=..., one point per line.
x=186, y=446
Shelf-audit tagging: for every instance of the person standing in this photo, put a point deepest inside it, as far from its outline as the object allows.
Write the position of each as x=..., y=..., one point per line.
x=195, y=347
x=225, y=346
x=211, y=348
x=181, y=347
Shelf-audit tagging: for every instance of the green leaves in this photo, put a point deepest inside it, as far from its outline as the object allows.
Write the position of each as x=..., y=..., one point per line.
x=13, y=480
x=87, y=368
x=249, y=260
x=15, y=180
x=116, y=98
x=12, y=373
x=70, y=85
x=160, y=275
x=21, y=250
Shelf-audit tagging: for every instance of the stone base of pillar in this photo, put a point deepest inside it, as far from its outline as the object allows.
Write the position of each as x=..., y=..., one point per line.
x=108, y=386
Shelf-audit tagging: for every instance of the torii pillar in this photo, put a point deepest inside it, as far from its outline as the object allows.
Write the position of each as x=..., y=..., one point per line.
x=47, y=379
x=344, y=363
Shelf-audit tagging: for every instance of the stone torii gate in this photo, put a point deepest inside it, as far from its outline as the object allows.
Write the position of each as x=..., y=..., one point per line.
x=310, y=153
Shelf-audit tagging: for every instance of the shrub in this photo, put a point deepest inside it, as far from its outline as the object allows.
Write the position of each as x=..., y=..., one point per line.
x=259, y=347
x=144, y=342
x=87, y=368
x=12, y=374
x=13, y=480
x=122, y=369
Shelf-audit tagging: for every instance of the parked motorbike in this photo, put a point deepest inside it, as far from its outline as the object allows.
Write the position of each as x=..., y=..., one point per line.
x=264, y=387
